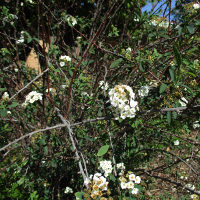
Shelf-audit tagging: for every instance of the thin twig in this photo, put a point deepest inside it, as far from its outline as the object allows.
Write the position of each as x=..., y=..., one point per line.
x=67, y=124
x=38, y=76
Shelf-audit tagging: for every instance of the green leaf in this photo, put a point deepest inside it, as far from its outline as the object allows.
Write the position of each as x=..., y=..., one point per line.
x=103, y=150
x=191, y=29
x=20, y=181
x=79, y=195
x=14, y=104
x=3, y=112
x=116, y=63
x=177, y=55
x=169, y=117
x=163, y=88
x=2, y=89
x=71, y=73
x=112, y=177
x=172, y=75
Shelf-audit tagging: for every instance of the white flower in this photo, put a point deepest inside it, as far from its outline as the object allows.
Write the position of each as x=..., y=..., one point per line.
x=134, y=191
x=87, y=181
x=65, y=58
x=192, y=187
x=143, y=91
x=196, y=6
x=30, y=1
x=16, y=70
x=32, y=97
x=5, y=96
x=132, y=177
x=21, y=3
x=123, y=185
x=196, y=124
x=68, y=190
x=120, y=166
x=194, y=196
x=137, y=179
x=128, y=50
x=103, y=85
x=72, y=20
x=122, y=99
x=8, y=112
x=183, y=101
x=176, y=142
x=130, y=185
x=62, y=64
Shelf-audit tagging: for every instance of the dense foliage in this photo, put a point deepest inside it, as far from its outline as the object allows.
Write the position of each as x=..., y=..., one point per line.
x=99, y=100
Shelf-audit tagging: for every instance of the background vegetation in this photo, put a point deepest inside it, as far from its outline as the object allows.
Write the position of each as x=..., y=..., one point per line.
x=43, y=144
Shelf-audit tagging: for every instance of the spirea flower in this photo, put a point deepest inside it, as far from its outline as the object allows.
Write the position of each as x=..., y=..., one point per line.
x=103, y=85
x=134, y=191
x=196, y=124
x=32, y=97
x=106, y=167
x=143, y=91
x=121, y=166
x=196, y=6
x=68, y=190
x=176, y=142
x=71, y=20
x=122, y=98
x=5, y=96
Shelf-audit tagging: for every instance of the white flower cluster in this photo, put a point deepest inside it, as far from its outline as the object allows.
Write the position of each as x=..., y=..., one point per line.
x=5, y=96
x=122, y=98
x=162, y=24
x=71, y=20
x=143, y=91
x=130, y=183
x=176, y=142
x=21, y=39
x=68, y=190
x=32, y=97
x=121, y=166
x=196, y=5
x=196, y=124
x=64, y=59
x=51, y=90
x=103, y=85
x=106, y=167
x=98, y=184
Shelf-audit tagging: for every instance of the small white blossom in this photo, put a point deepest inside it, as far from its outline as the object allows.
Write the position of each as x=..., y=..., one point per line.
x=128, y=50
x=143, y=91
x=123, y=185
x=65, y=58
x=72, y=20
x=132, y=177
x=8, y=112
x=16, y=70
x=62, y=64
x=120, y=166
x=176, y=142
x=130, y=185
x=134, y=191
x=196, y=124
x=5, y=96
x=103, y=85
x=137, y=179
x=196, y=6
x=68, y=190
